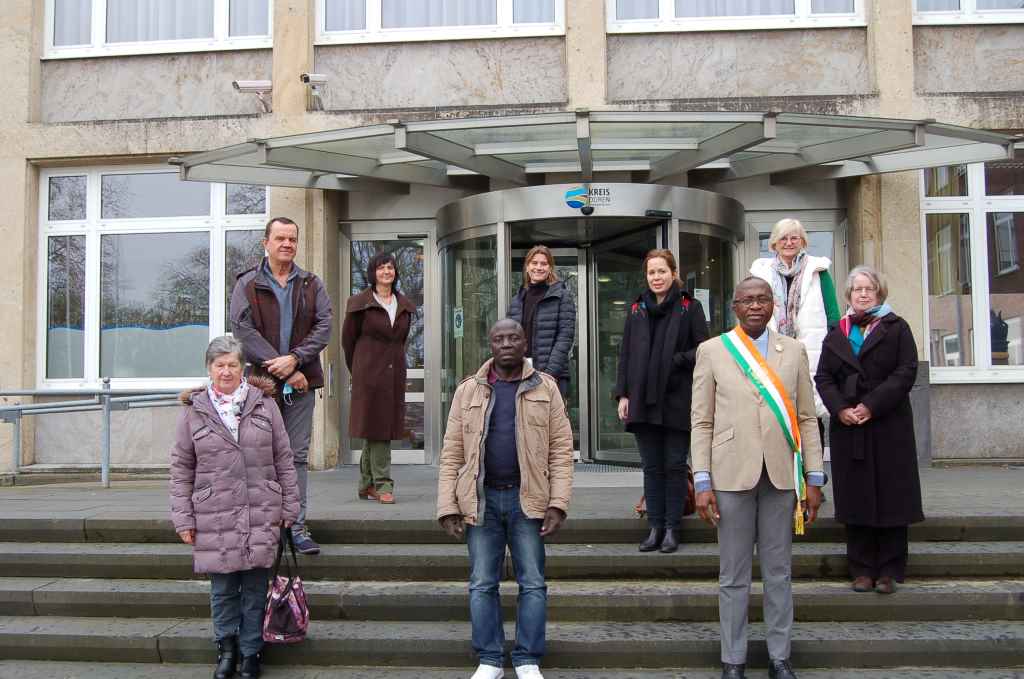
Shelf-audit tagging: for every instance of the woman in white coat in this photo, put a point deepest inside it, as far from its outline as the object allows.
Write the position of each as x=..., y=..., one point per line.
x=804, y=292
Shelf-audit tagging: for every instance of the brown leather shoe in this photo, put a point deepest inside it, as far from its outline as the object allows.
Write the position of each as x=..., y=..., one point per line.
x=885, y=585
x=368, y=493
x=386, y=498
x=862, y=583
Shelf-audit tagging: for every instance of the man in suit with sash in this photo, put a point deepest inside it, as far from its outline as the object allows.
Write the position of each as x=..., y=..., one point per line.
x=755, y=451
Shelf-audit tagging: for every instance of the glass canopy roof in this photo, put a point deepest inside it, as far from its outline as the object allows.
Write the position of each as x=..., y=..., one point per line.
x=786, y=146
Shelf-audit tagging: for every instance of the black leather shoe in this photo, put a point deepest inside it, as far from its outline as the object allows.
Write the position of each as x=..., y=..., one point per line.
x=227, y=658
x=251, y=667
x=653, y=540
x=670, y=542
x=733, y=671
x=780, y=669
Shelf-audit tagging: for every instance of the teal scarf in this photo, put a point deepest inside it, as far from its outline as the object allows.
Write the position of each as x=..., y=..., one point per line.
x=854, y=332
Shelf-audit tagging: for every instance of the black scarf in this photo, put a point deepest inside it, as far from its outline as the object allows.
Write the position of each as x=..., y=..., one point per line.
x=660, y=316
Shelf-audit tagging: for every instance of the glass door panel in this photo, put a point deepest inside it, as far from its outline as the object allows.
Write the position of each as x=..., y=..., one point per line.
x=567, y=268
x=616, y=279
x=408, y=254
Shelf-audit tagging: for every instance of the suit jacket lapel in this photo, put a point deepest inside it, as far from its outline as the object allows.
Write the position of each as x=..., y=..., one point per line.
x=840, y=344
x=774, y=357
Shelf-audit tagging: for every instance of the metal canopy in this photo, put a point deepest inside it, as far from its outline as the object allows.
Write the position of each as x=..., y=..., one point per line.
x=787, y=147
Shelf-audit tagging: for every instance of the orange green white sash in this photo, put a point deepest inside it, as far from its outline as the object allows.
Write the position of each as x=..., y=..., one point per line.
x=768, y=384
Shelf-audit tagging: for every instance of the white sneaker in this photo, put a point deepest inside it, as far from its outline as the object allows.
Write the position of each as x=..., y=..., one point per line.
x=488, y=672
x=529, y=672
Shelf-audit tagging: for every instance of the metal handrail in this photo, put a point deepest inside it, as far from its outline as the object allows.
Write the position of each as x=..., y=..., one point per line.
x=102, y=399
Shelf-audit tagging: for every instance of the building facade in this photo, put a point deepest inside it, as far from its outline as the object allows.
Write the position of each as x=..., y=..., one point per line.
x=123, y=270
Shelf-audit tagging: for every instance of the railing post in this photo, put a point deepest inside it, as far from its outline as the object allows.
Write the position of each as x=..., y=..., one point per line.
x=105, y=460
x=16, y=443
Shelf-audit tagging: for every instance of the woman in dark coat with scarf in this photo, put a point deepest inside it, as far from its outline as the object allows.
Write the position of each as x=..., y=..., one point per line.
x=655, y=377
x=545, y=309
x=373, y=336
x=868, y=365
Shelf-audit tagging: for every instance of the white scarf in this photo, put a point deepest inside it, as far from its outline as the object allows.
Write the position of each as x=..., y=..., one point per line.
x=229, y=406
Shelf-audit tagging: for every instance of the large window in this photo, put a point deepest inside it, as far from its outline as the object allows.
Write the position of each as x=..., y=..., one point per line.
x=974, y=281
x=644, y=16
x=83, y=28
x=968, y=11
x=353, y=21
x=137, y=267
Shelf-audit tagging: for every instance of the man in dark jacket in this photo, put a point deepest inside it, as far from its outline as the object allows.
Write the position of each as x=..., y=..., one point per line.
x=283, y=317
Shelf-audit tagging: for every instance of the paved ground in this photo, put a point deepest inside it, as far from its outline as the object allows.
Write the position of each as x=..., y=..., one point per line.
x=12, y=669
x=962, y=491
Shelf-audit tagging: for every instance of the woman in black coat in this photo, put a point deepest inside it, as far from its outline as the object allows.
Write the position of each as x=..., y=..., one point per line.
x=545, y=309
x=655, y=377
x=867, y=368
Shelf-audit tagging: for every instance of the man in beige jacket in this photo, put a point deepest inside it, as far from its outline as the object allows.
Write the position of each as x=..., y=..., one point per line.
x=505, y=480
x=743, y=467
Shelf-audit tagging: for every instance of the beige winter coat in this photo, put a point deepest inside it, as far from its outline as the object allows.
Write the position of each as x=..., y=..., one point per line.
x=543, y=440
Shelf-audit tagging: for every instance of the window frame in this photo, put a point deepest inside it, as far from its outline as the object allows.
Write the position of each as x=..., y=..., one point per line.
x=99, y=47
x=667, y=22
x=967, y=14
x=375, y=33
x=977, y=206
x=216, y=224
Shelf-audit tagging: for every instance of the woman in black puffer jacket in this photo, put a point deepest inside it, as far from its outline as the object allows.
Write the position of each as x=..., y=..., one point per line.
x=546, y=310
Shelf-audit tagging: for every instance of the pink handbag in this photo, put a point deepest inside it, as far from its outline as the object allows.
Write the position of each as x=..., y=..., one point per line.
x=286, y=617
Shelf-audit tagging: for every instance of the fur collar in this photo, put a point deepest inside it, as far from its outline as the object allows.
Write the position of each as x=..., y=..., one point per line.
x=264, y=384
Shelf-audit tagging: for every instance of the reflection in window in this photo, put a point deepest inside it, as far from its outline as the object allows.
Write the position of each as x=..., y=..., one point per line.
x=946, y=181
x=65, y=307
x=67, y=198
x=152, y=194
x=950, y=306
x=72, y=22
x=248, y=17
x=1006, y=287
x=705, y=267
x=470, y=309
x=245, y=199
x=345, y=15
x=145, y=20
x=636, y=9
x=419, y=13
x=938, y=5
x=533, y=11
x=1004, y=178
x=154, y=304
x=832, y=6
x=242, y=251
x=723, y=8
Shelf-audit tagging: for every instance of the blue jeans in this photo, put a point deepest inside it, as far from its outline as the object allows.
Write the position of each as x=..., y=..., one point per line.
x=505, y=524
x=237, y=601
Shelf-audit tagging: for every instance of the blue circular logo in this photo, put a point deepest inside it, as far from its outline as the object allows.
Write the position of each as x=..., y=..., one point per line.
x=577, y=198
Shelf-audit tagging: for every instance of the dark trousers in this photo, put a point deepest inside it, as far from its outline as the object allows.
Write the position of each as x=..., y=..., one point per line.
x=874, y=552
x=663, y=454
x=236, y=603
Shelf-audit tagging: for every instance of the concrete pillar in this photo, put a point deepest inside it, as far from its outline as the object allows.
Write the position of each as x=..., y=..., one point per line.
x=586, y=48
x=293, y=55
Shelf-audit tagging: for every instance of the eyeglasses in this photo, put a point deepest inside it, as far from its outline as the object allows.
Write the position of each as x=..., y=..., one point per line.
x=748, y=302
x=790, y=239
x=864, y=291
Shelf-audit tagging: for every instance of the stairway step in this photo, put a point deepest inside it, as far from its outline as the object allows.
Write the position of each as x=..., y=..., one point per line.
x=570, y=645
x=156, y=528
x=35, y=669
x=568, y=601
x=451, y=562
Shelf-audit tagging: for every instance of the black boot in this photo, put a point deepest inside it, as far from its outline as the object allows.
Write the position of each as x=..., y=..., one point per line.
x=733, y=671
x=653, y=540
x=670, y=542
x=227, y=658
x=251, y=666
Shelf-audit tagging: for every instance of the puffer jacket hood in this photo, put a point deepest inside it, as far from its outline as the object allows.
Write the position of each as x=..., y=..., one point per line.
x=233, y=494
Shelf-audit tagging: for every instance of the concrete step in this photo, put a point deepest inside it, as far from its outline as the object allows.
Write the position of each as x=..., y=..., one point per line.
x=32, y=669
x=570, y=645
x=374, y=529
x=568, y=600
x=451, y=562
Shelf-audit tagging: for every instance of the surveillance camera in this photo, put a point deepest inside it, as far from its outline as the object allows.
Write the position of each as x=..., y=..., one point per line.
x=313, y=78
x=587, y=210
x=252, y=86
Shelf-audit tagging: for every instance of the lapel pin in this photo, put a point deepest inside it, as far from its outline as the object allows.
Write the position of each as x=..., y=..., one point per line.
x=778, y=347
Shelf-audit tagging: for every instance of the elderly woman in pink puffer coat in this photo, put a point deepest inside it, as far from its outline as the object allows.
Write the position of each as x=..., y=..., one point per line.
x=233, y=487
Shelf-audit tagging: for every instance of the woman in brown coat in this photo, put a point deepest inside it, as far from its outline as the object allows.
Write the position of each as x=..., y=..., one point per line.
x=233, y=487
x=373, y=335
